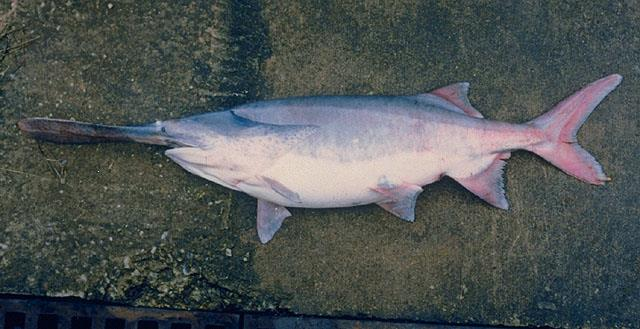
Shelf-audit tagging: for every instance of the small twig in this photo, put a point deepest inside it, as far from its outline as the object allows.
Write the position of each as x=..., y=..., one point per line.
x=23, y=173
x=21, y=45
x=204, y=92
x=13, y=30
x=13, y=71
x=59, y=174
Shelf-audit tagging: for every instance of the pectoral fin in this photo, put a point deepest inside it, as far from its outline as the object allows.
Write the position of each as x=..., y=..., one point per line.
x=281, y=189
x=270, y=218
x=489, y=184
x=401, y=199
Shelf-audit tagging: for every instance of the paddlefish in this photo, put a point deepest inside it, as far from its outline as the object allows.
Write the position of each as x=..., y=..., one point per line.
x=344, y=151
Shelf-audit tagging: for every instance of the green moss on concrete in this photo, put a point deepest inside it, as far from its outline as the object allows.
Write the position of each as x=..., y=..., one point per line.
x=122, y=222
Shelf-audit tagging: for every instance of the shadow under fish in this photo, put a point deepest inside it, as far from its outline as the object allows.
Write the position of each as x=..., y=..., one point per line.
x=342, y=151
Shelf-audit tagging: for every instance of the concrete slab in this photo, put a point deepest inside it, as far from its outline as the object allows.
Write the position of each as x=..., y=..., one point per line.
x=122, y=223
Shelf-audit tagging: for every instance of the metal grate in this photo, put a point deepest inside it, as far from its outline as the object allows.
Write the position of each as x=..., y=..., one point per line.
x=21, y=312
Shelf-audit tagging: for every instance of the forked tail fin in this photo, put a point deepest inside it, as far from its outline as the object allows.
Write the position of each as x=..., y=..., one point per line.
x=73, y=132
x=561, y=124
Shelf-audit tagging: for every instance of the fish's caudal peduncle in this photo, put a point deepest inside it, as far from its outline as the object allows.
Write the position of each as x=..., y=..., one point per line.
x=504, y=137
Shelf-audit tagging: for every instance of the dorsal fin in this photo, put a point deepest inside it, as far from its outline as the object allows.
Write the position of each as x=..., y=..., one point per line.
x=457, y=94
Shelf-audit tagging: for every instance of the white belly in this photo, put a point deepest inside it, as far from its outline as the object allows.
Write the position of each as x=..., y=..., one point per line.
x=326, y=182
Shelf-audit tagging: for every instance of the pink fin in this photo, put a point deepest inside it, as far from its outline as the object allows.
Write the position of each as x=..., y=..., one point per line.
x=561, y=124
x=281, y=189
x=401, y=199
x=457, y=94
x=489, y=184
x=269, y=219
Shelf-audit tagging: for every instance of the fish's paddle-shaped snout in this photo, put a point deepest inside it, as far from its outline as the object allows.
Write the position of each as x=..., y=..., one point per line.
x=74, y=132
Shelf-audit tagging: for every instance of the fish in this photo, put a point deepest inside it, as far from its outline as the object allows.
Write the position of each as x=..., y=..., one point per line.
x=345, y=151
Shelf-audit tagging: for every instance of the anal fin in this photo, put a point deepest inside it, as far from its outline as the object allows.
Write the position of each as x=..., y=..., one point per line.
x=269, y=219
x=489, y=184
x=401, y=199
